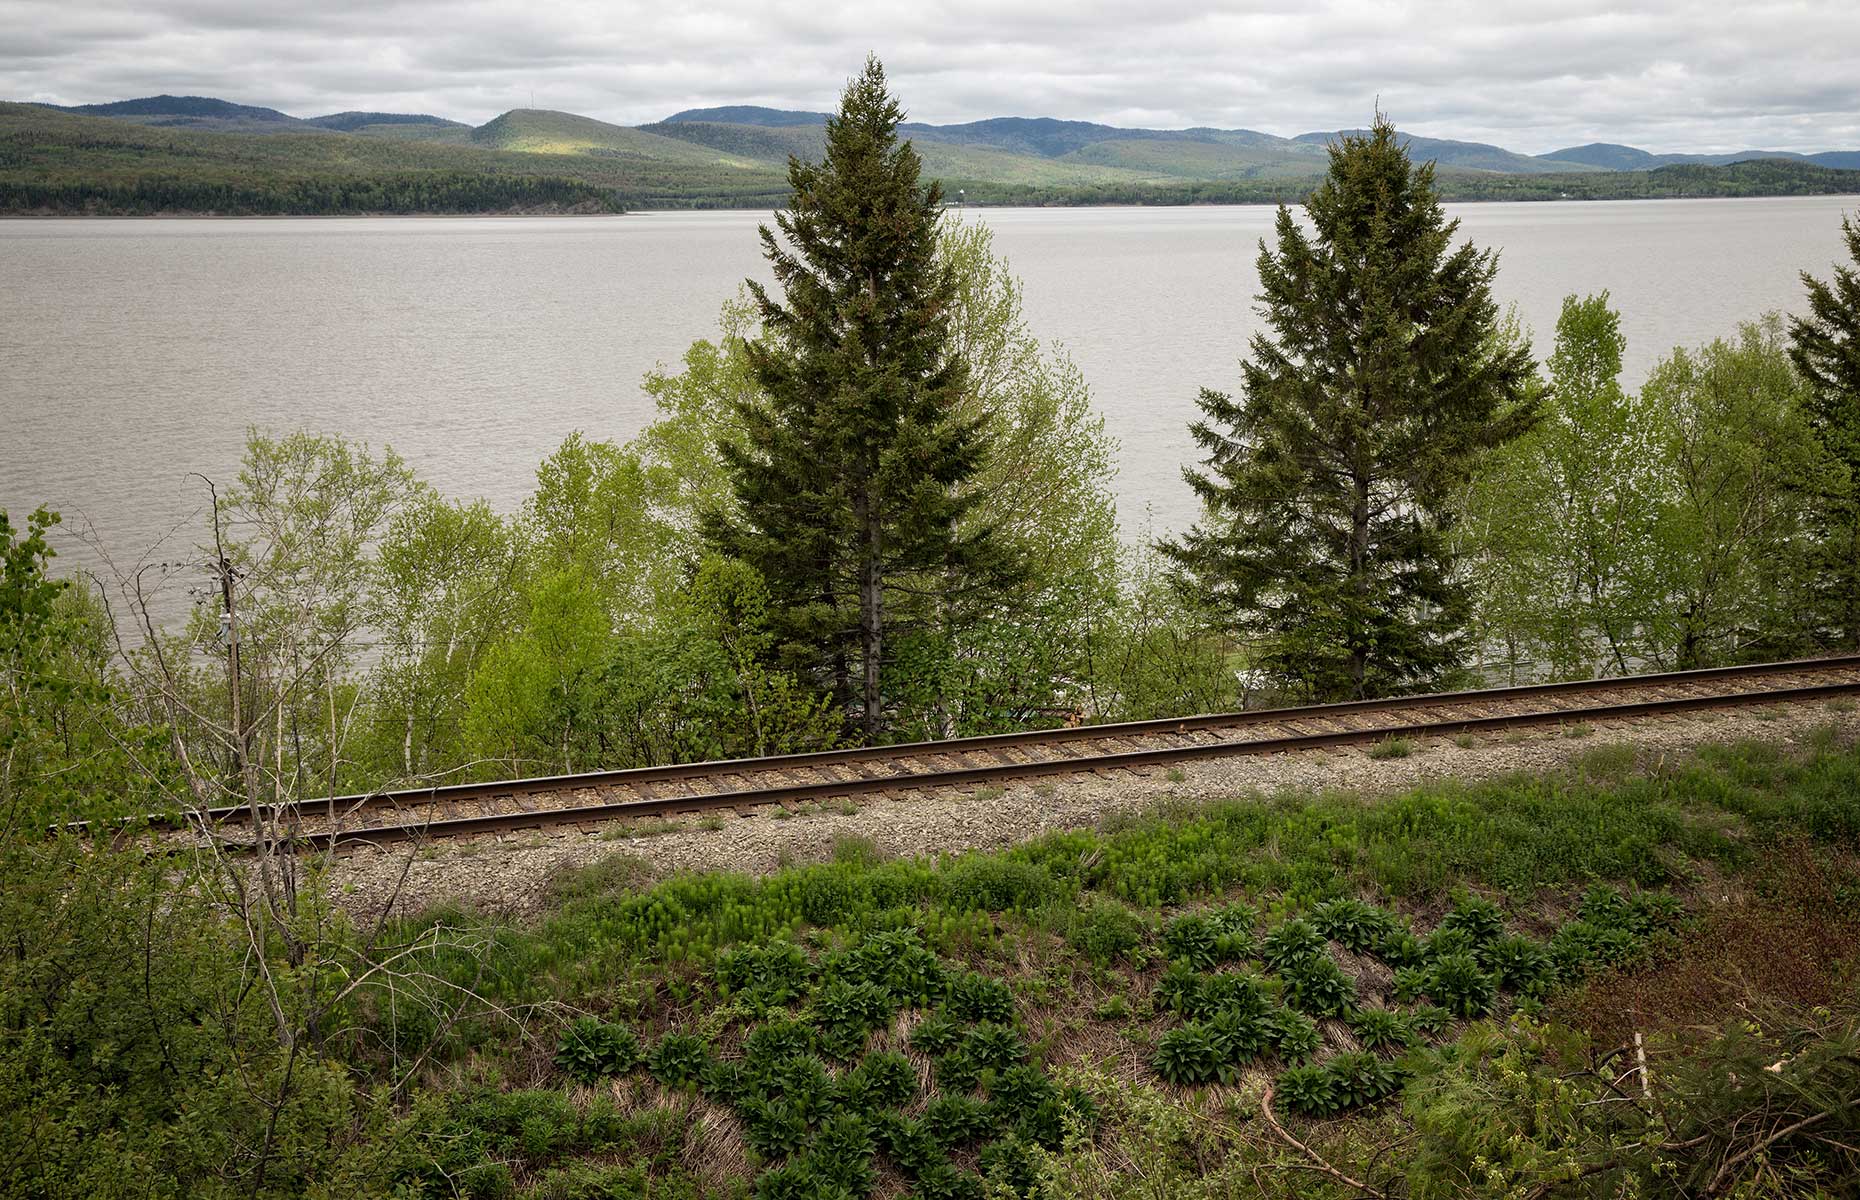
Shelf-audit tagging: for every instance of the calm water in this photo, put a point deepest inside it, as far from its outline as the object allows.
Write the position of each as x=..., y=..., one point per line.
x=134, y=352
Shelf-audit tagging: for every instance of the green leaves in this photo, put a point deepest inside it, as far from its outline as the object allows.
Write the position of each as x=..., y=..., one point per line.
x=590, y=1050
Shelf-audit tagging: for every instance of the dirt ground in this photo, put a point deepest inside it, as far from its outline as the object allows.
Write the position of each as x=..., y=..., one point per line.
x=511, y=873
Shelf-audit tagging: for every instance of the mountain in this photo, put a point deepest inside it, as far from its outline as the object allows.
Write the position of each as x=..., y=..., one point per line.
x=196, y=153
x=191, y=112
x=351, y=122
x=747, y=114
x=1450, y=155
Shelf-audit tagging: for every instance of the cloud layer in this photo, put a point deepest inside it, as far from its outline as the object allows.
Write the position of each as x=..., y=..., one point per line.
x=1664, y=75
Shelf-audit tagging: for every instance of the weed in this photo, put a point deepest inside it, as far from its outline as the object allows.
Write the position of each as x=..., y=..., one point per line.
x=1465, y=741
x=1579, y=730
x=1175, y=775
x=1392, y=748
x=1842, y=704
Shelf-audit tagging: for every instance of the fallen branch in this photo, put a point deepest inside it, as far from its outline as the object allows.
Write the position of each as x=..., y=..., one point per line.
x=1319, y=1161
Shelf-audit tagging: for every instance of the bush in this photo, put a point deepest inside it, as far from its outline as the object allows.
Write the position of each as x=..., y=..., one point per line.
x=590, y=1050
x=1294, y=1035
x=1457, y=984
x=764, y=976
x=1239, y=1036
x=1476, y=917
x=842, y=1154
x=992, y=1047
x=773, y=1128
x=1309, y=1090
x=935, y=1034
x=1362, y=1078
x=1192, y=940
x=941, y=1181
x=679, y=1059
x=1381, y=1029
x=1106, y=931
x=993, y=883
x=1359, y=926
x=1294, y=941
x=1319, y=987
x=1230, y=992
x=1518, y=963
x=953, y=1121
x=885, y=1079
x=1190, y=1055
x=975, y=997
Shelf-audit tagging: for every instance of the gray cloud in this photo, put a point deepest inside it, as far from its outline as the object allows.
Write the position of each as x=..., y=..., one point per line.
x=1667, y=75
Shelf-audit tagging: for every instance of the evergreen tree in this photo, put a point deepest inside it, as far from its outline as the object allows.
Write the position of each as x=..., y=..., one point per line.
x=1827, y=351
x=1327, y=497
x=848, y=468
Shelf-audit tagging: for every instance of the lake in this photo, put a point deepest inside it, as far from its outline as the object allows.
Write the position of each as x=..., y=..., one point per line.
x=133, y=352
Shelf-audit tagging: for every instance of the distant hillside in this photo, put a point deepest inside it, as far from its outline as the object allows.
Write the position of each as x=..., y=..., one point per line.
x=349, y=122
x=198, y=154
x=747, y=114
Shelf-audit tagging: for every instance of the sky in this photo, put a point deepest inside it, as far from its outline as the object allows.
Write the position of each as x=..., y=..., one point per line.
x=1691, y=76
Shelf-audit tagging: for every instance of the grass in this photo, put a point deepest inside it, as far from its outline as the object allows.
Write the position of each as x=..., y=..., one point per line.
x=1578, y=730
x=1391, y=748
x=1080, y=925
x=1175, y=775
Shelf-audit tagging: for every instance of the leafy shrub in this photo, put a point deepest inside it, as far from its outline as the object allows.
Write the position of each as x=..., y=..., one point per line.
x=1518, y=963
x=905, y=1143
x=1009, y=1164
x=1351, y=922
x=1294, y=1035
x=992, y=1047
x=1189, y=1055
x=765, y=975
x=1318, y=986
x=1179, y=988
x=1106, y=931
x=1294, y=941
x=793, y=1180
x=1429, y=1020
x=975, y=997
x=1381, y=1028
x=935, y=1034
x=1579, y=946
x=1309, y=1090
x=885, y=1079
x=953, y=1121
x=1193, y=941
x=773, y=1128
x=591, y=1050
x=1446, y=942
x=895, y=961
x=1399, y=947
x=1239, y=1037
x=1234, y=991
x=846, y=1013
x=942, y=1181
x=1362, y=1078
x=955, y=1071
x=1410, y=983
x=842, y=1153
x=678, y=1059
x=1457, y=984
x=1475, y=916
x=775, y=1041
x=1017, y=1091
x=724, y=1081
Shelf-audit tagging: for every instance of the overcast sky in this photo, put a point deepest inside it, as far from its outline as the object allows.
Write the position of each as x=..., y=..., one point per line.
x=1696, y=75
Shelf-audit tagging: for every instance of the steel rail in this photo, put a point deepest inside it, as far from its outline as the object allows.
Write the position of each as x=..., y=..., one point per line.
x=338, y=807
x=970, y=776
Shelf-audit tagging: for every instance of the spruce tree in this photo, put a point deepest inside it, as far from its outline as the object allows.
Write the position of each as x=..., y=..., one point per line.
x=850, y=466
x=1826, y=351
x=1329, y=484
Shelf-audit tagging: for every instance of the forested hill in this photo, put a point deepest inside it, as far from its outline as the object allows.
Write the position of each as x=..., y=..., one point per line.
x=202, y=156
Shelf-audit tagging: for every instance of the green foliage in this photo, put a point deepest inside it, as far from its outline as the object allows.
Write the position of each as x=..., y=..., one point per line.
x=953, y=1121
x=1381, y=1028
x=1106, y=931
x=1479, y=919
x=590, y=1050
x=1310, y=1090
x=1825, y=348
x=1293, y=942
x=884, y=1079
x=1457, y=983
x=766, y=975
x=1357, y=926
x=679, y=1059
x=1345, y=597
x=935, y=1034
x=842, y=1153
x=1518, y=963
x=1318, y=986
x=973, y=996
x=994, y=1047
x=1190, y=1054
x=849, y=476
x=1294, y=1035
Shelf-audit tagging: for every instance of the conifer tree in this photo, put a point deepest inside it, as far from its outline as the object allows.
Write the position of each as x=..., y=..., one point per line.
x=1826, y=351
x=849, y=467
x=1328, y=489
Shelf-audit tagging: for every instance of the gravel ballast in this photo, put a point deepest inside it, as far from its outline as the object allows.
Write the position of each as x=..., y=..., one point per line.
x=510, y=874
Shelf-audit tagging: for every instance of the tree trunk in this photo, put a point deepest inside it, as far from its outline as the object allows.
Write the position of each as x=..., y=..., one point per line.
x=1359, y=555
x=871, y=611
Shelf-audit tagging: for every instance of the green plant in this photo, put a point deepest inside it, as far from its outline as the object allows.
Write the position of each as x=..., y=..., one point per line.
x=1190, y=1054
x=764, y=976
x=1457, y=984
x=842, y=1153
x=1318, y=986
x=1429, y=1019
x=1310, y=1090
x=775, y=1041
x=1192, y=940
x=905, y=1143
x=1239, y=1037
x=1479, y=919
x=1294, y=1035
x=935, y=1034
x=1410, y=983
x=1392, y=748
x=885, y=1079
x=1106, y=930
x=591, y=1050
x=953, y=1121
x=1360, y=927
x=955, y=1071
x=942, y=1181
x=1293, y=941
x=1017, y=1091
x=992, y=1047
x=1362, y=1078
x=975, y=997
x=679, y=1059
x=773, y=1128
x=1518, y=963
x=1231, y=991
x=1381, y=1028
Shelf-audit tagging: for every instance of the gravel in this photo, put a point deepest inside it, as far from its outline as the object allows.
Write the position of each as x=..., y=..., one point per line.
x=510, y=874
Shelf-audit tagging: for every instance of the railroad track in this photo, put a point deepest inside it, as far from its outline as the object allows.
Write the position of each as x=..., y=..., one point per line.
x=587, y=800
